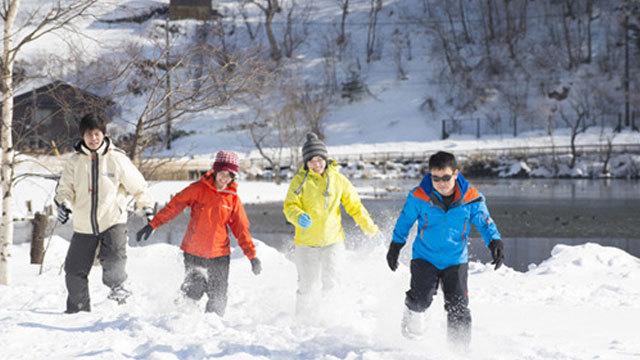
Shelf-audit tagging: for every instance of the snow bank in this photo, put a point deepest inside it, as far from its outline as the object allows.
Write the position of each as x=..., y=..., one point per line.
x=581, y=303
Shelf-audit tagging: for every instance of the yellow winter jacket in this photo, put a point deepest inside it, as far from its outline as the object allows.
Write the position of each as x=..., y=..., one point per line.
x=326, y=227
x=95, y=185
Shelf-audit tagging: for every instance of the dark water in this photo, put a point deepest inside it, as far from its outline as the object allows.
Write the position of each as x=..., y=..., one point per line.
x=532, y=215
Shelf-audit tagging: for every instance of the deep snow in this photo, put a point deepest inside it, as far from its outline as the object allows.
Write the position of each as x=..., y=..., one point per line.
x=582, y=303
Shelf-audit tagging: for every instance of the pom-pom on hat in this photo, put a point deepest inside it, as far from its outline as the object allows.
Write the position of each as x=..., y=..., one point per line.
x=313, y=147
x=226, y=160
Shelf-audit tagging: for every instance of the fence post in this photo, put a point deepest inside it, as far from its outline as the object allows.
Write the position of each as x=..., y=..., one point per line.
x=37, y=237
x=633, y=121
x=515, y=126
x=619, y=127
x=478, y=128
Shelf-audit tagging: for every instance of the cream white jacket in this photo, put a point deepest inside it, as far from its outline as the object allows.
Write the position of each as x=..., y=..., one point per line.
x=95, y=186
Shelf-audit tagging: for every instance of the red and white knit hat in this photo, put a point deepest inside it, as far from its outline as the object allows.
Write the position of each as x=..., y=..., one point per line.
x=226, y=160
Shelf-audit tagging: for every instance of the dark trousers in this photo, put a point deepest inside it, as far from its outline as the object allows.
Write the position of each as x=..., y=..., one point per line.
x=210, y=276
x=424, y=284
x=79, y=260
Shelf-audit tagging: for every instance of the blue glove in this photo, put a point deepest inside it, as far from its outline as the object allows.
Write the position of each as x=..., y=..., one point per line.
x=379, y=238
x=304, y=221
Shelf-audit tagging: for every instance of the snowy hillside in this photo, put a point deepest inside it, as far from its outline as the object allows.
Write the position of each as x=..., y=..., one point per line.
x=582, y=303
x=410, y=85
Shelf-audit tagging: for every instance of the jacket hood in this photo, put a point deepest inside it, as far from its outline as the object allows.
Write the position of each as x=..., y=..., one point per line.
x=81, y=148
x=461, y=183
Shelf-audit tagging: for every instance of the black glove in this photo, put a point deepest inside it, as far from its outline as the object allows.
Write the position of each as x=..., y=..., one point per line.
x=393, y=253
x=256, y=267
x=63, y=213
x=144, y=232
x=147, y=213
x=497, y=252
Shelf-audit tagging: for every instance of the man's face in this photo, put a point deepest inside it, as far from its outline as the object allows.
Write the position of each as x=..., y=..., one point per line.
x=444, y=180
x=93, y=138
x=223, y=179
x=317, y=164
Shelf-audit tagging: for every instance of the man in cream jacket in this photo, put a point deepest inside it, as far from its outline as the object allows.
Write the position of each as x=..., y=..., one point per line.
x=95, y=185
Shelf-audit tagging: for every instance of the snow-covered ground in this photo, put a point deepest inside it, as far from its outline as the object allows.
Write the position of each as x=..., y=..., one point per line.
x=582, y=303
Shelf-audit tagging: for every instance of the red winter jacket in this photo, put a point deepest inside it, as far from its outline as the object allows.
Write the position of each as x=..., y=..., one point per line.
x=211, y=211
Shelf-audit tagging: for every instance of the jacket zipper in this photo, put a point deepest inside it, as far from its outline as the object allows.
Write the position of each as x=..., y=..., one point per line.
x=94, y=193
x=464, y=238
x=426, y=223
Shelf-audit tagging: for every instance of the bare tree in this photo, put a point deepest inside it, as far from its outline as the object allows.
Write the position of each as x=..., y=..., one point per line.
x=344, y=6
x=270, y=8
x=251, y=30
x=607, y=134
x=313, y=107
x=398, y=45
x=329, y=55
x=45, y=19
x=295, y=29
x=582, y=105
x=376, y=7
x=281, y=116
x=219, y=78
x=516, y=95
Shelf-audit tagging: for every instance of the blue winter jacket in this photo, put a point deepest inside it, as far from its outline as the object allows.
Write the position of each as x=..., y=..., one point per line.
x=442, y=235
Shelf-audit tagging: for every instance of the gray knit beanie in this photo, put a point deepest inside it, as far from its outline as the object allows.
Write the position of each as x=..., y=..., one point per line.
x=313, y=147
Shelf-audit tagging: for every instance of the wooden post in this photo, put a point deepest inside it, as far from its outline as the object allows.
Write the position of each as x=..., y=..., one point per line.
x=37, y=237
x=478, y=128
x=444, y=129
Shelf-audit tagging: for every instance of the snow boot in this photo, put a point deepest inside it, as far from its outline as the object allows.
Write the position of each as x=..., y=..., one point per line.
x=411, y=324
x=119, y=294
x=459, y=336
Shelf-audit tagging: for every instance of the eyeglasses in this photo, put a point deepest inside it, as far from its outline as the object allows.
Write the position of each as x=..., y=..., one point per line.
x=445, y=178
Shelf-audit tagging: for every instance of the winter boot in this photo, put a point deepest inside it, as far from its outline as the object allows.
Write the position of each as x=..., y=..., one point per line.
x=459, y=335
x=119, y=294
x=411, y=324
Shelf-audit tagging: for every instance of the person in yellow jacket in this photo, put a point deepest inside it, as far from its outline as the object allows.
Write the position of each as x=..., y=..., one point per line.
x=312, y=205
x=95, y=185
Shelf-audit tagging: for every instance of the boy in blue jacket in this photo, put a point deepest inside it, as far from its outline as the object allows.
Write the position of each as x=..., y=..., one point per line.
x=445, y=206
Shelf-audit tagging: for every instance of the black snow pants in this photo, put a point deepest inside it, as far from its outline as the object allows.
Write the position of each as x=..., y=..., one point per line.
x=79, y=260
x=425, y=278
x=210, y=276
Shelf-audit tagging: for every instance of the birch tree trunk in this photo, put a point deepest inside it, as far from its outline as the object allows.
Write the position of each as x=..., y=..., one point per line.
x=53, y=17
x=6, y=241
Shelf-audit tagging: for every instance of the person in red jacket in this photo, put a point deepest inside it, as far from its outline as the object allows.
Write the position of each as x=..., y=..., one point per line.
x=214, y=204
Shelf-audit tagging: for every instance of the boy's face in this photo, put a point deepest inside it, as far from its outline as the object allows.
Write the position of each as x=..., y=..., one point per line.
x=444, y=180
x=93, y=138
x=317, y=164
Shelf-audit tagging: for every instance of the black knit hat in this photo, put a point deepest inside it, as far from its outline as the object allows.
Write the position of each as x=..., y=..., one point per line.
x=313, y=147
